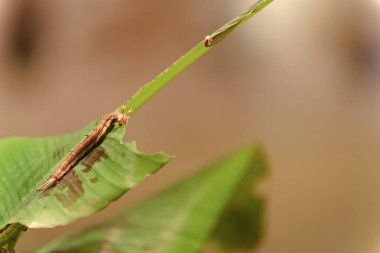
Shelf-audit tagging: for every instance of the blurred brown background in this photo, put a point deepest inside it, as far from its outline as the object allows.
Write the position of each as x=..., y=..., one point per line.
x=301, y=78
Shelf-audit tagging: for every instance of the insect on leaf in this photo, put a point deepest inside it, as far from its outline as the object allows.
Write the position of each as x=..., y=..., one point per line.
x=103, y=175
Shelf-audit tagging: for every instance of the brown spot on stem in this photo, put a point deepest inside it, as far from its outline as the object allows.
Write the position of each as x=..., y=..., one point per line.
x=207, y=42
x=92, y=158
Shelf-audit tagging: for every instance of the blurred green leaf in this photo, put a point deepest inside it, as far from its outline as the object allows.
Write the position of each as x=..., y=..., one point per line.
x=241, y=225
x=180, y=219
x=102, y=176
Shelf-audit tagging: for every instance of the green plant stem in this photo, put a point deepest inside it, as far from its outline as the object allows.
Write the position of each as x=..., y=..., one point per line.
x=147, y=91
x=160, y=81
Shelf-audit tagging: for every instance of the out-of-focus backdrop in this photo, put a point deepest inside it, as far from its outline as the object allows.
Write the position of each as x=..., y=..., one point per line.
x=302, y=79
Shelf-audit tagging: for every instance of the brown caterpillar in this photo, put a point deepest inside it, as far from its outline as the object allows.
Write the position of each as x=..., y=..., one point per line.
x=86, y=145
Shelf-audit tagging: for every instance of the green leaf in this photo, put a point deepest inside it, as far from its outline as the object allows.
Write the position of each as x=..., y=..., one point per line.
x=241, y=225
x=102, y=176
x=182, y=218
